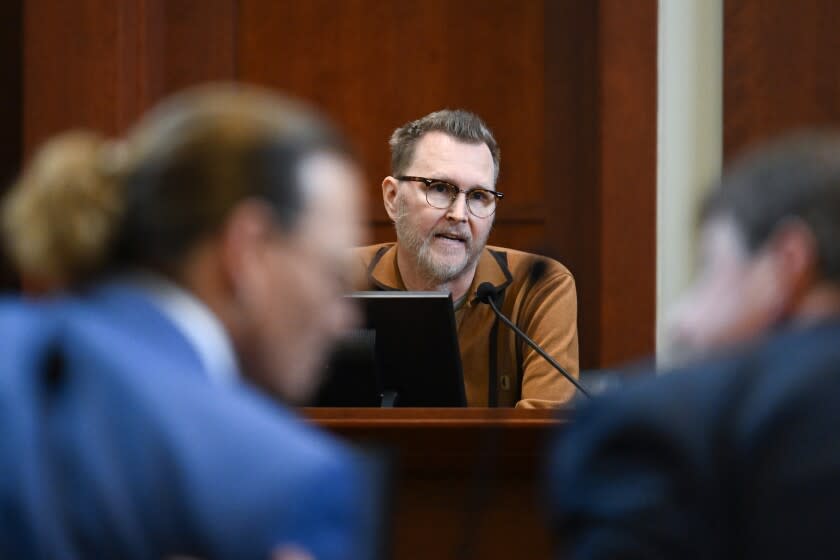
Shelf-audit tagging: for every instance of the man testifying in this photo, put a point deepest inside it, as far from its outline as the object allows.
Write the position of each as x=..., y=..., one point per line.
x=442, y=198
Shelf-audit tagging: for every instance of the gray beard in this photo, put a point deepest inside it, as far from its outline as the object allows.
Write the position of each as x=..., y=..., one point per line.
x=419, y=249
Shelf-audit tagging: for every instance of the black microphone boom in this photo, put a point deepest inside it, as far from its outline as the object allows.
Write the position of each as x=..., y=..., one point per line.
x=485, y=294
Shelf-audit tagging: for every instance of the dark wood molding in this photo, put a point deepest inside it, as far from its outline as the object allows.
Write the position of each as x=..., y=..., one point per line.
x=11, y=111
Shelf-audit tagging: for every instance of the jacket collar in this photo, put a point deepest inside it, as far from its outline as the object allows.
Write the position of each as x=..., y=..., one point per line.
x=125, y=308
x=384, y=273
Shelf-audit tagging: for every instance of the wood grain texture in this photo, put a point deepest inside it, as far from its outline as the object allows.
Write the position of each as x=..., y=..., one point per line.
x=82, y=66
x=385, y=63
x=99, y=64
x=780, y=69
x=573, y=234
x=627, y=173
x=465, y=478
x=601, y=134
x=199, y=38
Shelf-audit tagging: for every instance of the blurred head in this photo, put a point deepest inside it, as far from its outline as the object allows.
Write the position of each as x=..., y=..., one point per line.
x=451, y=146
x=249, y=201
x=769, y=246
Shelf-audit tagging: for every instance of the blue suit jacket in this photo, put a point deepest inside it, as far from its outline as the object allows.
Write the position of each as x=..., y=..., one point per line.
x=117, y=444
x=735, y=458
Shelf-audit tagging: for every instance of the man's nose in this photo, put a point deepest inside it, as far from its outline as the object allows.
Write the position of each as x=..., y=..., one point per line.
x=457, y=211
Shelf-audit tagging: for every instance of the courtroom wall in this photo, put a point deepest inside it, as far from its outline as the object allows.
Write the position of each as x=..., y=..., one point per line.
x=780, y=69
x=11, y=54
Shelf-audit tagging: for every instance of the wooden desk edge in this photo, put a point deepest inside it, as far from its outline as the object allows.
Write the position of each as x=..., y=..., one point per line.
x=508, y=418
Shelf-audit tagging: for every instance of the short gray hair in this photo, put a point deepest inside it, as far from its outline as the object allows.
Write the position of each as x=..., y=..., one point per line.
x=458, y=123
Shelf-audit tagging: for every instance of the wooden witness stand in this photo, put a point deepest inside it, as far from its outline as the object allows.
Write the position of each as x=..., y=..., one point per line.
x=467, y=481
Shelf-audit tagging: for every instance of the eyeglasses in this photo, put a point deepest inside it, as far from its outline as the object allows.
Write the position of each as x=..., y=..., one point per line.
x=440, y=194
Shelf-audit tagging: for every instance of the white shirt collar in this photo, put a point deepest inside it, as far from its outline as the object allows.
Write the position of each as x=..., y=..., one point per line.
x=196, y=322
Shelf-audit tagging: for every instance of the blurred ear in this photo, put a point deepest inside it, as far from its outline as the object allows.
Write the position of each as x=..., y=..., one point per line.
x=244, y=238
x=794, y=258
x=389, y=196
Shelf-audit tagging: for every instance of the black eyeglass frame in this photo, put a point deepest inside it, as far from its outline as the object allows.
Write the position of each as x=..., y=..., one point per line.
x=454, y=191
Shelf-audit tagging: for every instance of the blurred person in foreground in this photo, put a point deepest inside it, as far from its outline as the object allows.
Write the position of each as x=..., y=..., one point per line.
x=442, y=197
x=202, y=264
x=735, y=456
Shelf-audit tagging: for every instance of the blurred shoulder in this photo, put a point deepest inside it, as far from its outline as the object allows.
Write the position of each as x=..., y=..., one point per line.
x=267, y=436
x=744, y=390
x=15, y=308
x=275, y=418
x=23, y=319
x=28, y=331
x=682, y=393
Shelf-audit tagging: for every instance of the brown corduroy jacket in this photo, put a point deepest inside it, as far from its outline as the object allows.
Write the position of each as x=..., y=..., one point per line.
x=544, y=307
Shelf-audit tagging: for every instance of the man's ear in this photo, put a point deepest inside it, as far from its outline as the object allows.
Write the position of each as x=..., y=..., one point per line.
x=795, y=259
x=244, y=236
x=389, y=197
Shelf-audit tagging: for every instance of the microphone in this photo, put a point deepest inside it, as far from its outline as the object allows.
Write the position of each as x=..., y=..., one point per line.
x=486, y=293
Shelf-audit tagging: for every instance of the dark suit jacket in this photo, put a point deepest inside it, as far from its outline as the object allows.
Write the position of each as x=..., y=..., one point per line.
x=114, y=443
x=735, y=458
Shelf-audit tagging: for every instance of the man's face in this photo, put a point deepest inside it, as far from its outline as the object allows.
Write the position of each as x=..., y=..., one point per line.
x=296, y=300
x=444, y=243
x=736, y=296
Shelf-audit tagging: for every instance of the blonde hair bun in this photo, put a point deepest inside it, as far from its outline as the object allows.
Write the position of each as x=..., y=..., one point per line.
x=59, y=218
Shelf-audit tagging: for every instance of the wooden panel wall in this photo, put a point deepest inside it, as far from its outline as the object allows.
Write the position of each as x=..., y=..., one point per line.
x=780, y=68
x=568, y=87
x=100, y=63
x=628, y=83
x=389, y=62
x=85, y=65
x=11, y=102
x=601, y=158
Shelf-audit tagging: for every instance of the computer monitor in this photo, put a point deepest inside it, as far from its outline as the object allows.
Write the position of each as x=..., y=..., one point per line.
x=406, y=355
